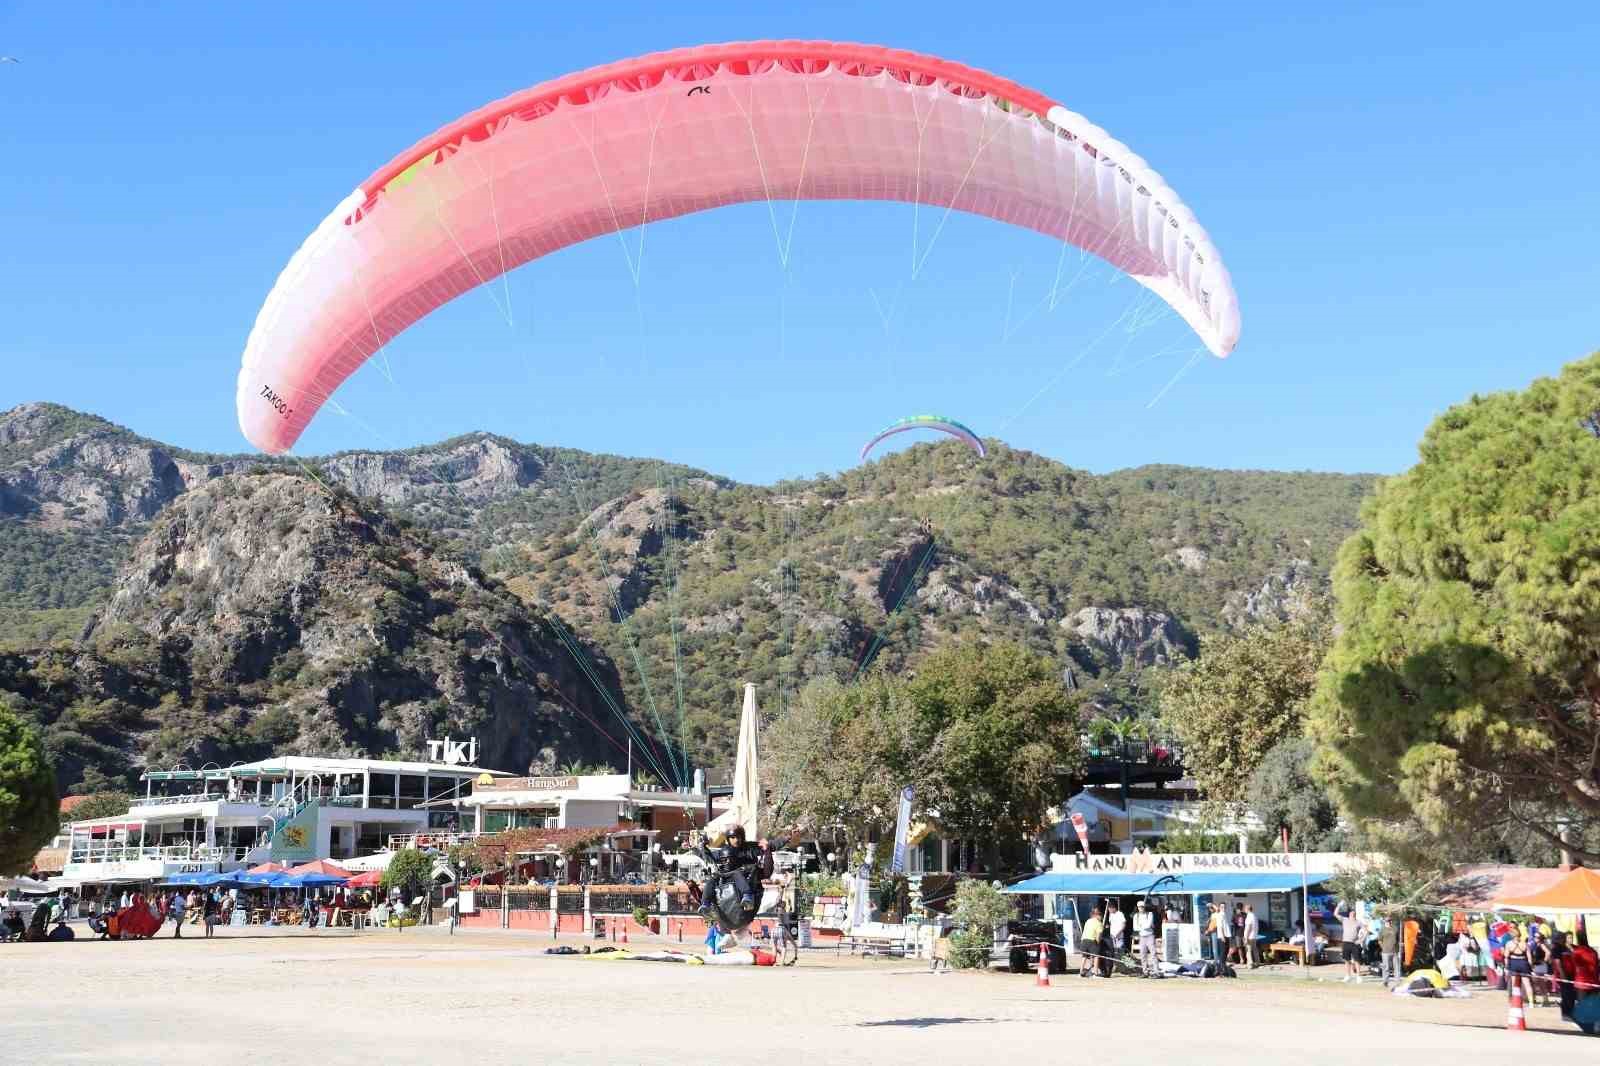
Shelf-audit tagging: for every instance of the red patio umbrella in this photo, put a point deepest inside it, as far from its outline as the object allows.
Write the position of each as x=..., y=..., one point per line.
x=320, y=866
x=370, y=879
x=268, y=868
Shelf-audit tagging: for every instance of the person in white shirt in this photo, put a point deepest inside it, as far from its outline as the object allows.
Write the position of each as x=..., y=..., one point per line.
x=1118, y=924
x=1144, y=927
x=1252, y=926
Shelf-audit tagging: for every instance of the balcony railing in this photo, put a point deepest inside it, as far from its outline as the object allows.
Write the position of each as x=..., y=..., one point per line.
x=441, y=839
x=172, y=853
x=172, y=801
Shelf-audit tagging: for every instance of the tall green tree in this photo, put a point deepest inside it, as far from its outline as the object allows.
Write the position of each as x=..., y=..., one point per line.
x=1245, y=694
x=102, y=805
x=837, y=758
x=1464, y=686
x=29, y=803
x=1283, y=794
x=994, y=729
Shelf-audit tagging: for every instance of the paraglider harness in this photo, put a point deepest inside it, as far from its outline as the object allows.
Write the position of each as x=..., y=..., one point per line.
x=733, y=885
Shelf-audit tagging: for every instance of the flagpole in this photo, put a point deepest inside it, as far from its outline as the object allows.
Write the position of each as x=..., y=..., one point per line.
x=1305, y=916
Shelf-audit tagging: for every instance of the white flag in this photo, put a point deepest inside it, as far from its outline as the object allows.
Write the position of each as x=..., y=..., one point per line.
x=902, y=829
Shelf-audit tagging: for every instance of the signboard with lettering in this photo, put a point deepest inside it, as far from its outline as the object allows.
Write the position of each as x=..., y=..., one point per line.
x=529, y=784
x=1144, y=862
x=453, y=752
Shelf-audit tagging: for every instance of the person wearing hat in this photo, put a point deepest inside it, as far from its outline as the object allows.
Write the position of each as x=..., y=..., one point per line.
x=1144, y=927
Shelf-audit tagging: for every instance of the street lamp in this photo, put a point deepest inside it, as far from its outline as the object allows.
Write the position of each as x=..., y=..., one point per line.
x=831, y=858
x=455, y=912
x=594, y=867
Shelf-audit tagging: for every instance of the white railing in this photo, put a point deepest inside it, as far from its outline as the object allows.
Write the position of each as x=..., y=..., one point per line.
x=175, y=853
x=170, y=801
x=440, y=839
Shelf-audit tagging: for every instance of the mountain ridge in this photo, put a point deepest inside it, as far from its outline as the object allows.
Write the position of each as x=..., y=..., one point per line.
x=683, y=578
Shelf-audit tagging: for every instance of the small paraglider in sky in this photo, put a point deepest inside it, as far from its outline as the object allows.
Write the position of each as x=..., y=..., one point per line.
x=9, y=59
x=935, y=422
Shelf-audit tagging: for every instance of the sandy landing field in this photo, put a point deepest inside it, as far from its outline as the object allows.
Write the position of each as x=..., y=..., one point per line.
x=424, y=997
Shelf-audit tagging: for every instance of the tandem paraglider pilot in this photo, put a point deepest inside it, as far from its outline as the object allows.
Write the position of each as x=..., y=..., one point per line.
x=733, y=883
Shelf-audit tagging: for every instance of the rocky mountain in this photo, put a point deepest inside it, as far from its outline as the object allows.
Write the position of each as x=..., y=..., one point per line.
x=77, y=491
x=263, y=612
x=688, y=582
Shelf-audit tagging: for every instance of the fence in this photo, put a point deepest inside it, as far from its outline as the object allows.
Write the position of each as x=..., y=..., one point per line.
x=585, y=908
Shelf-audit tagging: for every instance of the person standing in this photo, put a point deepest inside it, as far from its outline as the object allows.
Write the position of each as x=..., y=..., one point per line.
x=1561, y=973
x=1351, y=934
x=1585, y=966
x=1089, y=944
x=210, y=913
x=1252, y=928
x=1217, y=926
x=1119, y=926
x=175, y=911
x=1389, y=950
x=1144, y=927
x=1236, y=934
x=1519, y=967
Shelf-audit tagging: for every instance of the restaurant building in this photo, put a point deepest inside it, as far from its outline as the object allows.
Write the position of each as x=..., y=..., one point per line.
x=590, y=801
x=289, y=809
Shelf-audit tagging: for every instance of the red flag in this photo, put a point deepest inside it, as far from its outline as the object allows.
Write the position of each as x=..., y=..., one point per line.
x=1083, y=830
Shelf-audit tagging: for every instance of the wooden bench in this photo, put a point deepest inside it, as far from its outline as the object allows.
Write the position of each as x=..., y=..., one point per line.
x=1280, y=948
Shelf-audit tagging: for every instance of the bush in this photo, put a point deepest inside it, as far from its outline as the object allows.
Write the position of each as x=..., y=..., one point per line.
x=641, y=916
x=411, y=870
x=981, y=907
x=969, y=949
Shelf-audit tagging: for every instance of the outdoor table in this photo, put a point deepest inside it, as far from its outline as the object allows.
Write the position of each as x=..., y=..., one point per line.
x=1297, y=950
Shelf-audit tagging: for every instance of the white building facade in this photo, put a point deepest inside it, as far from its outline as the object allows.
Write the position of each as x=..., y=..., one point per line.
x=290, y=809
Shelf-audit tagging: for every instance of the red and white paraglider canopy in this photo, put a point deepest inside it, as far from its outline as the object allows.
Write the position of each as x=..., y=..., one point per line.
x=677, y=132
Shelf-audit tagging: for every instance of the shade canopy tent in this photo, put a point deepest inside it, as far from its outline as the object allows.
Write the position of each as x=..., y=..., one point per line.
x=1576, y=893
x=311, y=880
x=1176, y=884
x=27, y=884
x=361, y=863
x=321, y=867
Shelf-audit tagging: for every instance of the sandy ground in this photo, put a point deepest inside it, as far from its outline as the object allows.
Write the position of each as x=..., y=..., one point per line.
x=425, y=997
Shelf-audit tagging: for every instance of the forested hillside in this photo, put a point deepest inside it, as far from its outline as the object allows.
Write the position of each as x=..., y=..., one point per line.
x=693, y=583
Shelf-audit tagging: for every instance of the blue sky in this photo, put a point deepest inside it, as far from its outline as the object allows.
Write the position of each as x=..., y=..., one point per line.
x=1405, y=195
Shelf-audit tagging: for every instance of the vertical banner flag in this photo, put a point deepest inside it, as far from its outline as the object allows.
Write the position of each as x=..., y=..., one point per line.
x=902, y=829
x=1083, y=830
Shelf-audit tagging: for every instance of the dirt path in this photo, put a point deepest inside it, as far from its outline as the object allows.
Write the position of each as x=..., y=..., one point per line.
x=429, y=998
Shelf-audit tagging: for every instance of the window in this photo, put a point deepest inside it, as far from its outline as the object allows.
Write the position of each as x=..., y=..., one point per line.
x=413, y=790
x=382, y=791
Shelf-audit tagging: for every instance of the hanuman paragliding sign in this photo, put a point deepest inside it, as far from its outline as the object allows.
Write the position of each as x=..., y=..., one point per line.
x=678, y=132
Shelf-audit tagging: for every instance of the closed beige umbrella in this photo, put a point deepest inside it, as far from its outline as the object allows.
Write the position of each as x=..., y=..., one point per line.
x=746, y=774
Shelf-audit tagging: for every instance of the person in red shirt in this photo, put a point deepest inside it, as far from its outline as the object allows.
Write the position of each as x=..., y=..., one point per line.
x=1584, y=966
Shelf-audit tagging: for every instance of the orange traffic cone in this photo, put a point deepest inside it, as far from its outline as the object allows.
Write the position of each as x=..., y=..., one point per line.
x=1043, y=980
x=1515, y=1019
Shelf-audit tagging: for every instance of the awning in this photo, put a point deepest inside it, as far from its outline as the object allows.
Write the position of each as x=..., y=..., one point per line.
x=1178, y=885
x=1576, y=893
